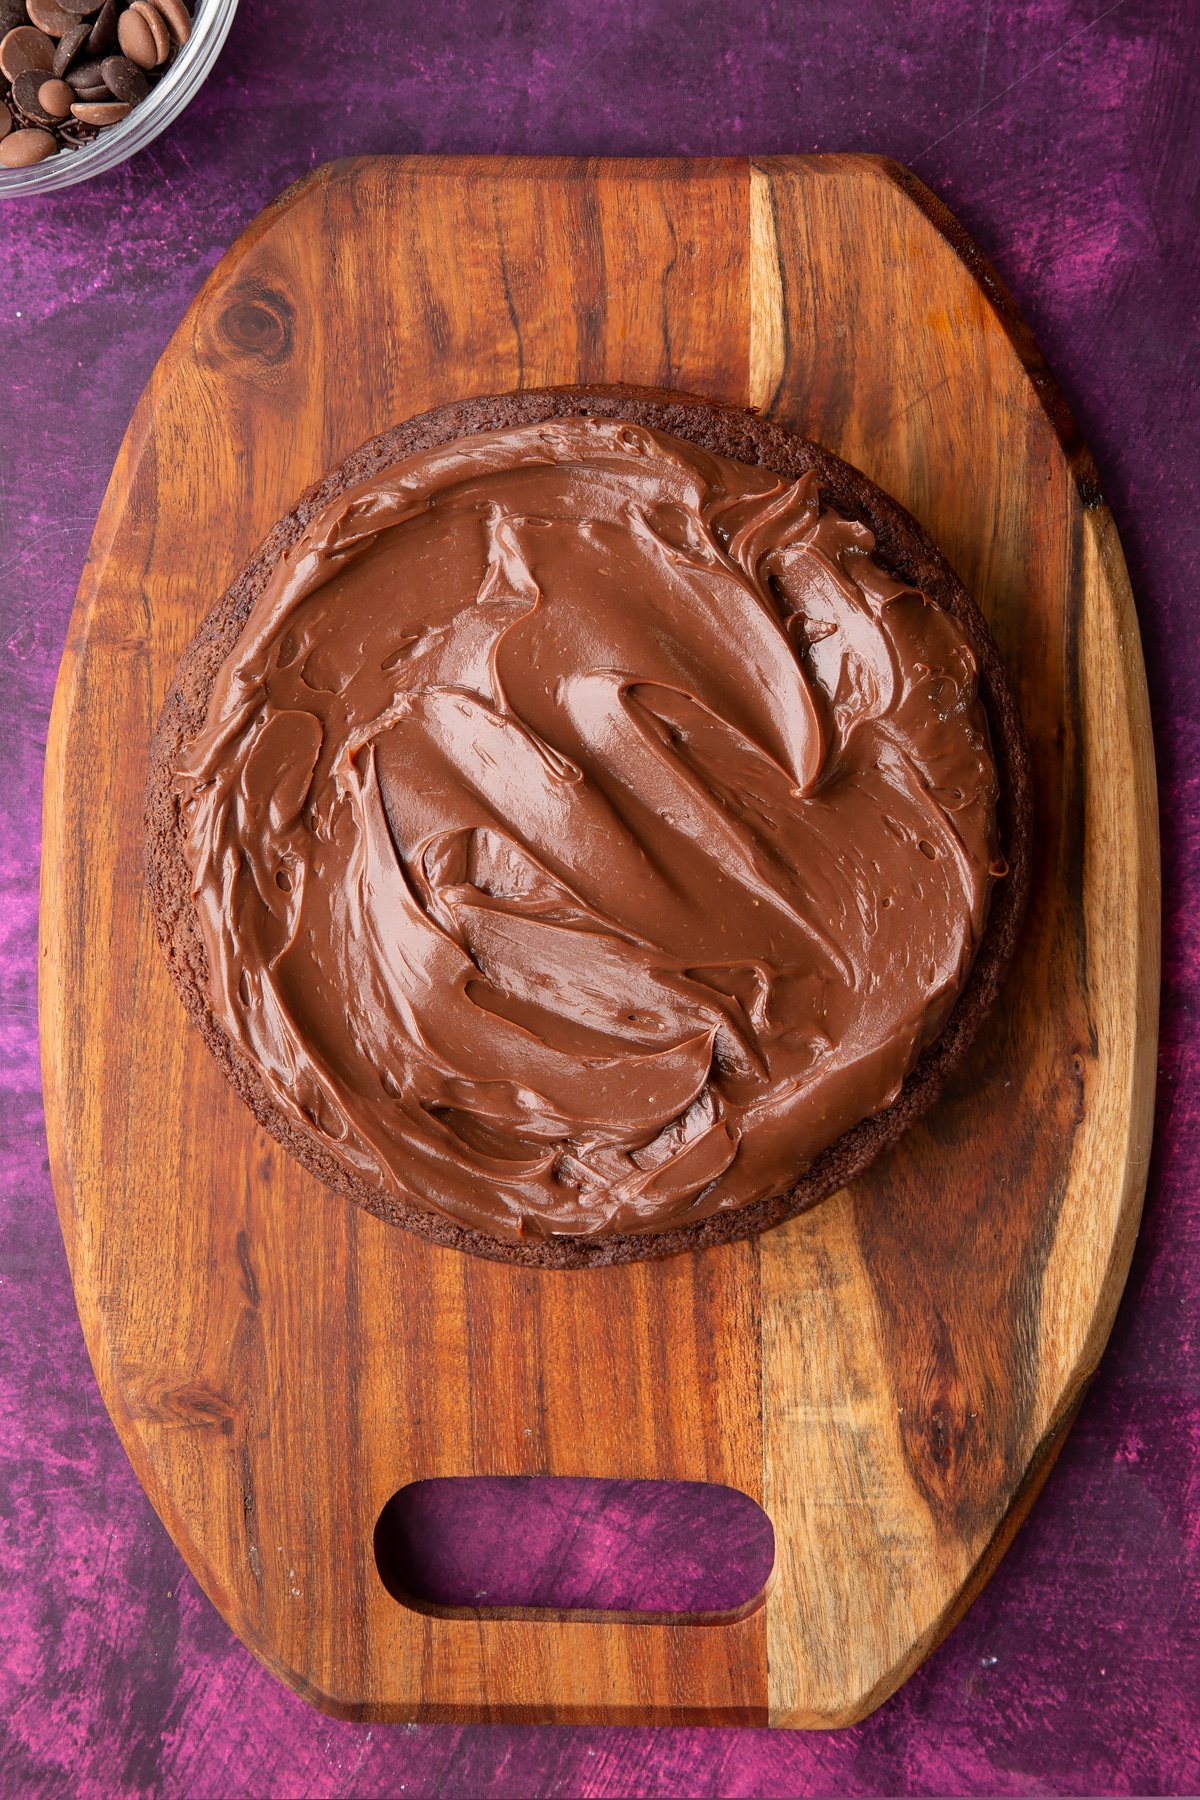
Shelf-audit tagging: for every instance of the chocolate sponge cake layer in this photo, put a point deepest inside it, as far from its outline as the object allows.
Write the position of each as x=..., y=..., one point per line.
x=902, y=559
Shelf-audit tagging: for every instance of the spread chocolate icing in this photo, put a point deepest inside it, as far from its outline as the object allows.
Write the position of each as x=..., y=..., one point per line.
x=585, y=831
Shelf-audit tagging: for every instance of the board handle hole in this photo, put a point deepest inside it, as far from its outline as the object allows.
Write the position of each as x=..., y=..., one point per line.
x=515, y=1545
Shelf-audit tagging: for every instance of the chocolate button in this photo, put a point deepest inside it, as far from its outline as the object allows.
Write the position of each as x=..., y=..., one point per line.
x=124, y=79
x=5, y=120
x=56, y=99
x=25, y=48
x=88, y=74
x=69, y=46
x=21, y=149
x=158, y=27
x=104, y=31
x=101, y=112
x=138, y=37
x=49, y=17
x=25, y=91
x=178, y=19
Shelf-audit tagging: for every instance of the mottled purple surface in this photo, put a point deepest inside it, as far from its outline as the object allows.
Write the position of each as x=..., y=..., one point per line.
x=1063, y=132
x=615, y=1546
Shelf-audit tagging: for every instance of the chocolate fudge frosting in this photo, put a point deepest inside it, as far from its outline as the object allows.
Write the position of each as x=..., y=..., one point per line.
x=585, y=831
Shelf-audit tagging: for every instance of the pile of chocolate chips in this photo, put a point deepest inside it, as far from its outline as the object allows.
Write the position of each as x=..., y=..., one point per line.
x=69, y=68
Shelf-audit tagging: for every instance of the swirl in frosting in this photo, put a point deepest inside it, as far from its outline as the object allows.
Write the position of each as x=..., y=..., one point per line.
x=585, y=831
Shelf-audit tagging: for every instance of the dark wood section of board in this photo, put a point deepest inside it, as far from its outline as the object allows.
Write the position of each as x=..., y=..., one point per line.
x=890, y=1375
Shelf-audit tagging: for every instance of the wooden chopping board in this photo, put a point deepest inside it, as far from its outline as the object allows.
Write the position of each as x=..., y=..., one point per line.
x=890, y=1376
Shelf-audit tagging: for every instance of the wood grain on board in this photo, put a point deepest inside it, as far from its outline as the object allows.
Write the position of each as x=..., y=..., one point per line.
x=889, y=1376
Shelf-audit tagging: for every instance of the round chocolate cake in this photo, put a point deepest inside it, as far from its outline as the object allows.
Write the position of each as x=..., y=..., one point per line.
x=592, y=826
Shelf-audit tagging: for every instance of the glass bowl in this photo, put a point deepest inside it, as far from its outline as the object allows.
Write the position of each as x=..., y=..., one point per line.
x=165, y=101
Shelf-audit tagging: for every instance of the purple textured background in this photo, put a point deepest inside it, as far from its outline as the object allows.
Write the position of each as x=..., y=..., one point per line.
x=1063, y=132
x=617, y=1546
